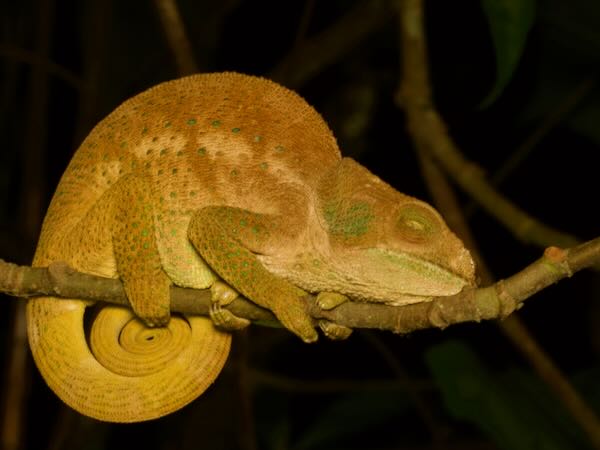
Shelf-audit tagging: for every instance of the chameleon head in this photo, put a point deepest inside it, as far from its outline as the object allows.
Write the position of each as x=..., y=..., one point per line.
x=389, y=247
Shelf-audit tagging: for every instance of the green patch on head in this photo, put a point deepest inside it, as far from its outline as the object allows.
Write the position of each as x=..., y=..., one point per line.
x=348, y=221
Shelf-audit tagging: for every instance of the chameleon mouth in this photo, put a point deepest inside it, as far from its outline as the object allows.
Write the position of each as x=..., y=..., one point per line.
x=412, y=276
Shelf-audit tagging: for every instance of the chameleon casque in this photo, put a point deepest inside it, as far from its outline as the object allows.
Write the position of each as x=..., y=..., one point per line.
x=221, y=181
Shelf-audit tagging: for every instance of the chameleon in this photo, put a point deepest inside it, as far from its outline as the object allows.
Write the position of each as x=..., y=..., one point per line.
x=227, y=182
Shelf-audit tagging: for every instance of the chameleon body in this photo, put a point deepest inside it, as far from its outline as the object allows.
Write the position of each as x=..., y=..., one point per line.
x=217, y=177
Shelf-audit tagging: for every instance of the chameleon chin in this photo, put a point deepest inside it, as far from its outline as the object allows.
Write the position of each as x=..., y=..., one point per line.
x=233, y=183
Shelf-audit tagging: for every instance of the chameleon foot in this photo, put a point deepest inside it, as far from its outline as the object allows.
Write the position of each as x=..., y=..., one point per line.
x=328, y=301
x=334, y=331
x=222, y=295
x=293, y=316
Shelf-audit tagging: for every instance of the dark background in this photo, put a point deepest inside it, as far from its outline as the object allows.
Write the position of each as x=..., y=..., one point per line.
x=66, y=64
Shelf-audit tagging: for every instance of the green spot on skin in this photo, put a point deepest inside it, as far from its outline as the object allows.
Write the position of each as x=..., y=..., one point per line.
x=350, y=221
x=144, y=130
x=280, y=149
x=192, y=193
x=191, y=122
x=135, y=224
x=145, y=232
x=257, y=138
x=167, y=124
x=163, y=151
x=146, y=245
x=202, y=151
x=173, y=232
x=216, y=123
x=173, y=194
x=255, y=230
x=264, y=166
x=123, y=144
x=243, y=223
x=234, y=173
x=235, y=130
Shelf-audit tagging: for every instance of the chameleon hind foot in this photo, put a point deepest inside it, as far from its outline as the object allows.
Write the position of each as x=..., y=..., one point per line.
x=222, y=295
x=328, y=301
x=334, y=331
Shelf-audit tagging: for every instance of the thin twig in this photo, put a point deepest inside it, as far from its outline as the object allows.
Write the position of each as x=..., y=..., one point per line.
x=552, y=119
x=309, y=6
x=323, y=49
x=42, y=63
x=177, y=39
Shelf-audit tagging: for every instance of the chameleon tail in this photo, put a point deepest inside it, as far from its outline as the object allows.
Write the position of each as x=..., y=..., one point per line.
x=144, y=373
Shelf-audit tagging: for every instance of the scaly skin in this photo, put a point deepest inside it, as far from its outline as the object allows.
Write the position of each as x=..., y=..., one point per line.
x=219, y=175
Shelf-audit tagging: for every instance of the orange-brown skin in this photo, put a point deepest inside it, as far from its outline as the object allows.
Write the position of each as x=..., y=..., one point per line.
x=219, y=175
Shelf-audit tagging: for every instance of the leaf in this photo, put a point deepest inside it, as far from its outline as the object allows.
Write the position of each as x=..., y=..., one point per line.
x=515, y=411
x=509, y=22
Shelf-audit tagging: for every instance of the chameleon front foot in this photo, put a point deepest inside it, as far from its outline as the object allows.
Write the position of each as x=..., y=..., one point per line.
x=222, y=295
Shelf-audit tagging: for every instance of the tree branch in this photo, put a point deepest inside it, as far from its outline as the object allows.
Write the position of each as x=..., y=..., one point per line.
x=492, y=302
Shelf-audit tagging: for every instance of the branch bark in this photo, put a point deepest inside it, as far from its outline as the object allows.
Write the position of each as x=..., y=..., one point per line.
x=492, y=302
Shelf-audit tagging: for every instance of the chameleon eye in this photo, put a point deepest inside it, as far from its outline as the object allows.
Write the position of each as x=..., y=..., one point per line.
x=417, y=223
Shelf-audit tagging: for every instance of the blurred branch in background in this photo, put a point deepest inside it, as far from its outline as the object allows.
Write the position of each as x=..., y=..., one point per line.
x=414, y=95
x=30, y=218
x=176, y=36
x=315, y=53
